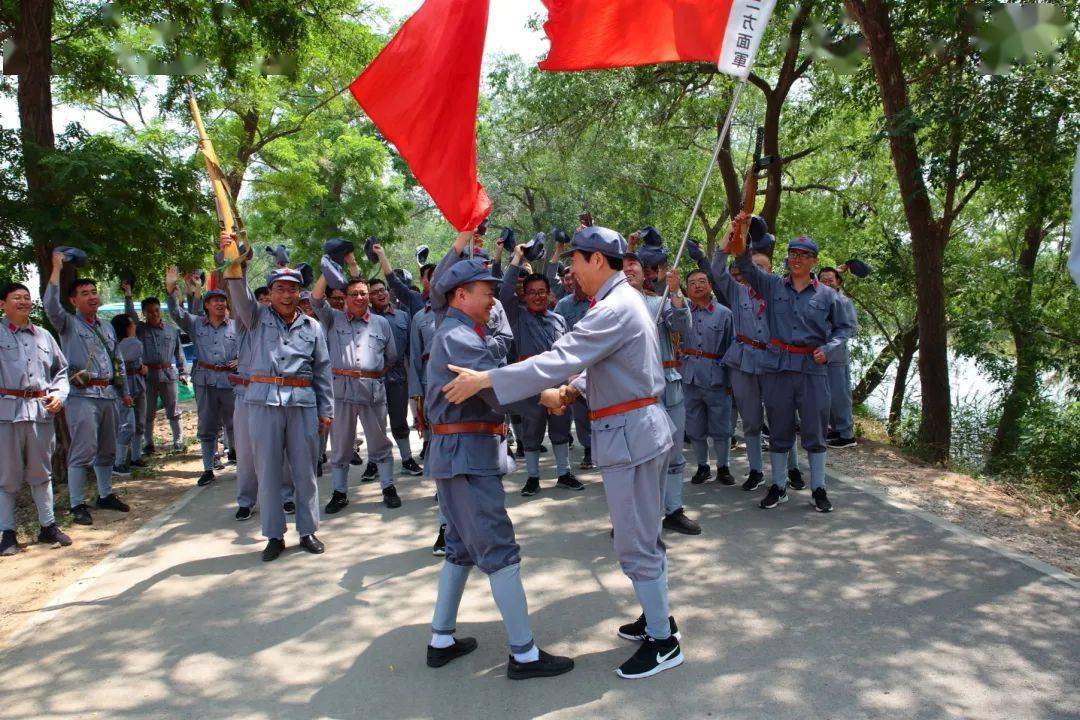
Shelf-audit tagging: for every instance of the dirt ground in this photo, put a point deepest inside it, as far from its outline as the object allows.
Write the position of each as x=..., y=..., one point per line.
x=32, y=577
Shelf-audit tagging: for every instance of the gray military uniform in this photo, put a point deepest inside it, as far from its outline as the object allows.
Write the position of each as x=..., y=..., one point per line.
x=673, y=322
x=163, y=356
x=30, y=360
x=793, y=382
x=533, y=334
x=284, y=416
x=363, y=344
x=90, y=410
x=573, y=309
x=617, y=343
x=128, y=444
x=839, y=369
x=216, y=356
x=708, y=394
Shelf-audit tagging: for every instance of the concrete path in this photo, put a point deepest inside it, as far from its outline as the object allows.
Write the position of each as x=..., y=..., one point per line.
x=870, y=612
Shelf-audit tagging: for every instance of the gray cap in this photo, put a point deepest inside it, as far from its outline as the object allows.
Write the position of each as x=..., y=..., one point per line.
x=463, y=273
x=534, y=250
x=286, y=274
x=599, y=239
x=333, y=272
x=280, y=255
x=73, y=255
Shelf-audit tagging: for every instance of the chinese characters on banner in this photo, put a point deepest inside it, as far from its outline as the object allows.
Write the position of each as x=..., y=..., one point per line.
x=745, y=28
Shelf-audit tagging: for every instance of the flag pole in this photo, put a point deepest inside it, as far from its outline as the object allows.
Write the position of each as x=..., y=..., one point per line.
x=724, y=130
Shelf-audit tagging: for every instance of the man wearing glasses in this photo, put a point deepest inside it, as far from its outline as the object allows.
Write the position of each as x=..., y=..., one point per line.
x=807, y=325
x=536, y=328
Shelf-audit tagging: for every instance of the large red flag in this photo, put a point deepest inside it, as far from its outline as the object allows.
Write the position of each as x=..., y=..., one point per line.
x=421, y=91
x=593, y=34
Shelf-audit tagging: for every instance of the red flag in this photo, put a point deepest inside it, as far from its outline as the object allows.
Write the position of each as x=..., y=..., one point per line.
x=593, y=34
x=421, y=92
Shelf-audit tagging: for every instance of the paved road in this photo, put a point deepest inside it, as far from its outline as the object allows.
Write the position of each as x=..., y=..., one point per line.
x=870, y=612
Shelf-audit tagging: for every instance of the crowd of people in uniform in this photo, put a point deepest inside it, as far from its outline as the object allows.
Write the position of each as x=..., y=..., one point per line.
x=602, y=340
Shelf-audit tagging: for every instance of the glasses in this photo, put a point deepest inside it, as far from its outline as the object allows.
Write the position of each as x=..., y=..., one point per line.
x=799, y=255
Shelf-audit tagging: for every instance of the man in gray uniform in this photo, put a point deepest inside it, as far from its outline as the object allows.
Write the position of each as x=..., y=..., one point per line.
x=161, y=349
x=421, y=332
x=33, y=388
x=746, y=358
x=708, y=395
x=807, y=325
x=394, y=378
x=217, y=348
x=535, y=329
x=90, y=347
x=467, y=460
x=290, y=399
x=362, y=347
x=842, y=434
x=247, y=479
x=614, y=352
x=674, y=323
x=573, y=306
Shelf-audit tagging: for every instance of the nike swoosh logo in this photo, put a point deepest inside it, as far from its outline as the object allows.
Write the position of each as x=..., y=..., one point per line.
x=664, y=658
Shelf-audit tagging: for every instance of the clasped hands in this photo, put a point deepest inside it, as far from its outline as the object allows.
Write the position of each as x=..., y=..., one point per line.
x=470, y=382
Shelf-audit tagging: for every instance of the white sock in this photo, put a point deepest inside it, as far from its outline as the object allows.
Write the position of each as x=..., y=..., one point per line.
x=527, y=657
x=441, y=641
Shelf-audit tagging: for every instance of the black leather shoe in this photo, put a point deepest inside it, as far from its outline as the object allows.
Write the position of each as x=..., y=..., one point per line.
x=80, y=515
x=312, y=544
x=390, y=497
x=337, y=501
x=724, y=476
x=704, y=472
x=54, y=536
x=111, y=502
x=437, y=657
x=206, y=478
x=369, y=472
x=546, y=666
x=274, y=548
x=8, y=545
x=678, y=522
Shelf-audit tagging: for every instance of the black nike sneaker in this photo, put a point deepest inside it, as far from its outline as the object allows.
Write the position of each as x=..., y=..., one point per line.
x=653, y=657
x=821, y=501
x=775, y=496
x=636, y=630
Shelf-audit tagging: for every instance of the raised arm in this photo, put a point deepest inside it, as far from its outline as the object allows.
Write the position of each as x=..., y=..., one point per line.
x=56, y=313
x=725, y=286
x=452, y=257
x=759, y=279
x=508, y=289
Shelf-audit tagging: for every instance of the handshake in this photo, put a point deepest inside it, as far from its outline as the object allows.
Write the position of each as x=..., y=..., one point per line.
x=557, y=400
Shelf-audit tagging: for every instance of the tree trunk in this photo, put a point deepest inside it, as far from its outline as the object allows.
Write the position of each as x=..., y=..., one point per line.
x=909, y=344
x=33, y=64
x=875, y=374
x=1025, y=381
x=927, y=240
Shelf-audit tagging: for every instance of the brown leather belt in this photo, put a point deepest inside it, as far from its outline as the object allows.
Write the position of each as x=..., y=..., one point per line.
x=366, y=374
x=239, y=380
x=25, y=394
x=98, y=383
x=159, y=366
x=672, y=364
x=286, y=381
x=751, y=342
x=470, y=428
x=701, y=354
x=796, y=349
x=215, y=368
x=621, y=408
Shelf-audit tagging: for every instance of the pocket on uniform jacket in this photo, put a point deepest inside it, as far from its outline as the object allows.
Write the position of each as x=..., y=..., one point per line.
x=610, y=446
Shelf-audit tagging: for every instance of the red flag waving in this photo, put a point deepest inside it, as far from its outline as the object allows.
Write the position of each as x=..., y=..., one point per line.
x=593, y=34
x=421, y=92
